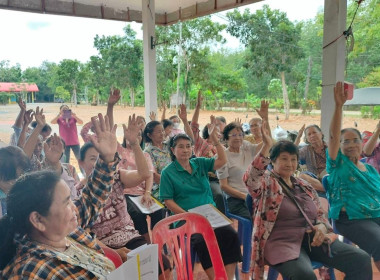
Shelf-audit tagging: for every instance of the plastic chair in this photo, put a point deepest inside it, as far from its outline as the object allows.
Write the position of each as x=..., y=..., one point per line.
x=245, y=237
x=177, y=242
x=113, y=256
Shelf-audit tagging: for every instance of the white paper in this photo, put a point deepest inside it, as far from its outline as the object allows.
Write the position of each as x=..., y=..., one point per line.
x=143, y=208
x=213, y=215
x=142, y=264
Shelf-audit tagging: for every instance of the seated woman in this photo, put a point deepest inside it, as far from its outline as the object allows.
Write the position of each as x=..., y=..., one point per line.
x=353, y=190
x=290, y=228
x=240, y=154
x=371, y=149
x=184, y=185
x=313, y=156
x=43, y=234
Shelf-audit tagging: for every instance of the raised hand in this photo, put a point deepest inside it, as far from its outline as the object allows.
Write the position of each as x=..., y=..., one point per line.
x=152, y=116
x=340, y=94
x=212, y=130
x=265, y=132
x=263, y=111
x=21, y=104
x=132, y=132
x=105, y=141
x=302, y=129
x=199, y=100
x=40, y=117
x=182, y=114
x=53, y=150
x=114, y=96
x=238, y=121
x=28, y=117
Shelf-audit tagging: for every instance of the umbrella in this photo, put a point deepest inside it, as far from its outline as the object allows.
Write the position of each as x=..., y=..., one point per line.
x=365, y=96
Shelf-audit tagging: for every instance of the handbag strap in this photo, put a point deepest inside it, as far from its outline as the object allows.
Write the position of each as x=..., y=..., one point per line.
x=286, y=188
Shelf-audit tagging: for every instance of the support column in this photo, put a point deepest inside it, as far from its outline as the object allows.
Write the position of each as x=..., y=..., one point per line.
x=150, y=75
x=333, y=62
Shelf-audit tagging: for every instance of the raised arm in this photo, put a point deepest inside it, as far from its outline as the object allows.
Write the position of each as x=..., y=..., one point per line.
x=259, y=164
x=20, y=116
x=28, y=117
x=182, y=113
x=197, y=108
x=340, y=97
x=113, y=98
x=263, y=112
x=299, y=135
x=221, y=159
x=31, y=143
x=372, y=141
x=163, y=116
x=134, y=178
x=53, y=152
x=79, y=121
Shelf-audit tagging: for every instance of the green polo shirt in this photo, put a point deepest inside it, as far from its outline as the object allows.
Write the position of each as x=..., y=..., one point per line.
x=187, y=190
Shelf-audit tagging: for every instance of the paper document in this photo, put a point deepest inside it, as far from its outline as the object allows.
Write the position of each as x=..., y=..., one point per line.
x=142, y=264
x=213, y=215
x=145, y=209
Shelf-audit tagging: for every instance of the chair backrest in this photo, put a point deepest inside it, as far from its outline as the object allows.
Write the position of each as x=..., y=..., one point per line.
x=177, y=242
x=113, y=256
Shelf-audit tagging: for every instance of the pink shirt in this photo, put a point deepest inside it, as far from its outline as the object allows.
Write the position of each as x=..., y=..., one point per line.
x=68, y=131
x=128, y=162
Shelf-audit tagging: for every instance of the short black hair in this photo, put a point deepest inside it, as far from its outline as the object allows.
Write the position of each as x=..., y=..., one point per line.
x=166, y=123
x=12, y=159
x=344, y=130
x=150, y=126
x=230, y=127
x=205, y=134
x=173, y=142
x=84, y=149
x=283, y=146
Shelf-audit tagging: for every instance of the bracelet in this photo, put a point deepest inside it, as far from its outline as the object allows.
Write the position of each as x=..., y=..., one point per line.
x=148, y=192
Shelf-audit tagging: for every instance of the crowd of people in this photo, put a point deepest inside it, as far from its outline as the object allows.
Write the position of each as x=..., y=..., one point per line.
x=56, y=220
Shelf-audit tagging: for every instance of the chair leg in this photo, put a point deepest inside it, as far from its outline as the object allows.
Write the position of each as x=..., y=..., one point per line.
x=272, y=274
x=247, y=248
x=237, y=274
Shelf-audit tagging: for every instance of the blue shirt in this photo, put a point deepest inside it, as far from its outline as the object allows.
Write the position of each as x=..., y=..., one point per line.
x=358, y=191
x=188, y=190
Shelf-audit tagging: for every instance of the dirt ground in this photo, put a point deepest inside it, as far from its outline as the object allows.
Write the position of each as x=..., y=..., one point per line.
x=9, y=113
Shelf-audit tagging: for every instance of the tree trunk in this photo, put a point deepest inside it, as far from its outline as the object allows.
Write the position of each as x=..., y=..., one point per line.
x=132, y=96
x=285, y=96
x=216, y=101
x=75, y=95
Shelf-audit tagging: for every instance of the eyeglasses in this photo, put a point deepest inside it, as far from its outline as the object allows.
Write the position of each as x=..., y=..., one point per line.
x=348, y=141
x=236, y=135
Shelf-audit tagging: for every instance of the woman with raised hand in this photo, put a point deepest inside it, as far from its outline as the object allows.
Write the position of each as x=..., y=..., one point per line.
x=353, y=187
x=290, y=228
x=43, y=235
x=184, y=185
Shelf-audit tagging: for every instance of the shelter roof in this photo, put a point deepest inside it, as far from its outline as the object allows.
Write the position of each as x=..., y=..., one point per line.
x=167, y=11
x=365, y=96
x=18, y=87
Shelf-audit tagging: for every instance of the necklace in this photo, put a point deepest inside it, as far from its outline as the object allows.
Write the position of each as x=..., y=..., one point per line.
x=61, y=249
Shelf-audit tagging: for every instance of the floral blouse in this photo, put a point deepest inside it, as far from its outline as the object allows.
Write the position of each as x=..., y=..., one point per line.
x=267, y=195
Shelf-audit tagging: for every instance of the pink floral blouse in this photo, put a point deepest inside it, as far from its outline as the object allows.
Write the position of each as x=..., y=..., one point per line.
x=267, y=195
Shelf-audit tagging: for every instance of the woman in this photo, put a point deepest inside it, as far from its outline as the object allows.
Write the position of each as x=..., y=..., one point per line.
x=353, y=190
x=371, y=148
x=184, y=185
x=240, y=154
x=42, y=236
x=255, y=129
x=284, y=236
x=158, y=150
x=67, y=122
x=314, y=157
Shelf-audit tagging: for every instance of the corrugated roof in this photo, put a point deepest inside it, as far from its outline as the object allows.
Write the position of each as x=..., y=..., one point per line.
x=18, y=87
x=167, y=11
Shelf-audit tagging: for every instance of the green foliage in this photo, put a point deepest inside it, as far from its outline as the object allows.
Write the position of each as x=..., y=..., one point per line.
x=8, y=73
x=366, y=111
x=275, y=88
x=376, y=112
x=61, y=92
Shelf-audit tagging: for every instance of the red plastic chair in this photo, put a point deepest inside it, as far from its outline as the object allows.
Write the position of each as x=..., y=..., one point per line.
x=177, y=242
x=113, y=256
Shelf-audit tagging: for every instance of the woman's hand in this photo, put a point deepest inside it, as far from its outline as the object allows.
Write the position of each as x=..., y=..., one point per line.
x=212, y=131
x=40, y=117
x=105, y=141
x=28, y=117
x=199, y=100
x=320, y=232
x=53, y=150
x=182, y=114
x=131, y=133
x=340, y=94
x=152, y=116
x=147, y=199
x=265, y=131
x=114, y=96
x=123, y=253
x=263, y=111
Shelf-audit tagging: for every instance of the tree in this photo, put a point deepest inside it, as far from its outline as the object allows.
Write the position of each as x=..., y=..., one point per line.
x=71, y=76
x=272, y=40
x=8, y=73
x=197, y=34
